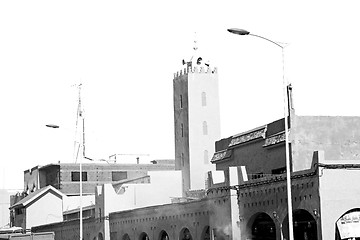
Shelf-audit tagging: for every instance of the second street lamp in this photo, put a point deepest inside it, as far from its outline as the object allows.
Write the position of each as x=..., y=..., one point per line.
x=286, y=110
x=80, y=114
x=80, y=186
x=52, y=126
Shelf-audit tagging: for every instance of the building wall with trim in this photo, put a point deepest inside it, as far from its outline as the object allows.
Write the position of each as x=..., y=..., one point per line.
x=339, y=193
x=47, y=209
x=337, y=136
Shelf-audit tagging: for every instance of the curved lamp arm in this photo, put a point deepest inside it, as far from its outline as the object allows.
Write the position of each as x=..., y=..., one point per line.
x=244, y=32
x=277, y=44
x=288, y=169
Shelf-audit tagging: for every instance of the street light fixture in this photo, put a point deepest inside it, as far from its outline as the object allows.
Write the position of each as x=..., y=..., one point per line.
x=80, y=183
x=243, y=32
x=52, y=126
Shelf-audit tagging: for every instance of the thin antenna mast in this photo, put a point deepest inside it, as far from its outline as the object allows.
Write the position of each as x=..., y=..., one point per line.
x=79, y=114
x=194, y=47
x=195, y=42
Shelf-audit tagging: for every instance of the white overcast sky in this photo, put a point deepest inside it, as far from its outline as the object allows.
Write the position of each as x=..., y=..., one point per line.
x=126, y=52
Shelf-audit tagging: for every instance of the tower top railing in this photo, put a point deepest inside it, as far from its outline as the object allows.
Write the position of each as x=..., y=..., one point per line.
x=207, y=70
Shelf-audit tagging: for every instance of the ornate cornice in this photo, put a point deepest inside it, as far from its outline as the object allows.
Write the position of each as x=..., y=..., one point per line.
x=221, y=155
x=218, y=156
x=267, y=181
x=274, y=139
x=248, y=137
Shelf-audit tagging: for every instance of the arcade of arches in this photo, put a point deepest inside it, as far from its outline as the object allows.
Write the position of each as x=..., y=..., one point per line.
x=262, y=226
x=184, y=234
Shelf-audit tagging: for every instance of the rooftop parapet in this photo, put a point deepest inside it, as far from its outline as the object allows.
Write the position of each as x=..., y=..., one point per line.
x=188, y=70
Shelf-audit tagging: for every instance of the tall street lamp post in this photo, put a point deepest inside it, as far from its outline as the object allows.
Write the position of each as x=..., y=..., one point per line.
x=80, y=114
x=286, y=110
x=80, y=183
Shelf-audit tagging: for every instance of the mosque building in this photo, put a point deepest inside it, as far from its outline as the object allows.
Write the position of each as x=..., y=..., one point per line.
x=233, y=187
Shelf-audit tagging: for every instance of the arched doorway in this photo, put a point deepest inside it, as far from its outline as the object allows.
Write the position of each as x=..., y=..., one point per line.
x=143, y=236
x=219, y=234
x=205, y=235
x=185, y=234
x=305, y=227
x=263, y=227
x=125, y=237
x=163, y=235
x=100, y=236
x=348, y=225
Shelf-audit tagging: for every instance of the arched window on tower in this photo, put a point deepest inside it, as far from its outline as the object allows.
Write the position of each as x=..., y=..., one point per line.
x=205, y=128
x=182, y=160
x=182, y=129
x=203, y=99
x=181, y=101
x=206, y=157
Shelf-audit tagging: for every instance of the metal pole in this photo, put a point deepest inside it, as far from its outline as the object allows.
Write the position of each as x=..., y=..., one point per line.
x=80, y=163
x=287, y=157
x=81, y=212
x=286, y=110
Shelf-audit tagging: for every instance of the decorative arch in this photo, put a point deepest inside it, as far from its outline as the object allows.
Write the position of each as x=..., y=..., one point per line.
x=205, y=128
x=143, y=236
x=125, y=237
x=206, y=157
x=305, y=226
x=185, y=234
x=203, y=99
x=205, y=235
x=163, y=235
x=348, y=225
x=100, y=236
x=261, y=226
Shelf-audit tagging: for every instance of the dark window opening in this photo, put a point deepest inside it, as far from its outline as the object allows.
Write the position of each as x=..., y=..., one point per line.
x=100, y=214
x=279, y=170
x=118, y=175
x=257, y=175
x=19, y=211
x=182, y=160
x=75, y=176
x=181, y=101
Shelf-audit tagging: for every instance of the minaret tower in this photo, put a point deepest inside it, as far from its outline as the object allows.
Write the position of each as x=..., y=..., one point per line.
x=196, y=120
